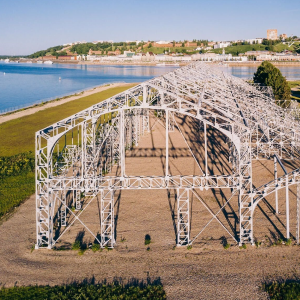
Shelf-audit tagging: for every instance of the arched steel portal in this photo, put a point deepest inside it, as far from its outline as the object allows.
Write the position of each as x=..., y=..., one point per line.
x=74, y=155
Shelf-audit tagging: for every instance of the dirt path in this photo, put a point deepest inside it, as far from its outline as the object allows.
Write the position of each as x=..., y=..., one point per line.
x=207, y=271
x=33, y=110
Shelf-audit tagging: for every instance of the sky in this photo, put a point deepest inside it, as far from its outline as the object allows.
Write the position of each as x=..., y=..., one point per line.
x=33, y=25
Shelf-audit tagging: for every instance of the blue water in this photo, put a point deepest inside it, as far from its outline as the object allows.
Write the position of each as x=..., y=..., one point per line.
x=24, y=84
x=246, y=72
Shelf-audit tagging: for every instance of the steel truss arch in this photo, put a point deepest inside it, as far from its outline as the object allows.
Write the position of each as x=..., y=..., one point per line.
x=254, y=125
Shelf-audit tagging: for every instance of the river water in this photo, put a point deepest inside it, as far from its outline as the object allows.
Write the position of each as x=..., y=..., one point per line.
x=24, y=84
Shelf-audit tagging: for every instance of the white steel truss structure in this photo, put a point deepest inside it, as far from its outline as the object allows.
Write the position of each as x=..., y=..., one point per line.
x=74, y=155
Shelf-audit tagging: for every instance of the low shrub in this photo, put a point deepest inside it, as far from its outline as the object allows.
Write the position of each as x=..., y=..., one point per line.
x=288, y=242
x=95, y=247
x=283, y=290
x=85, y=291
x=227, y=246
x=16, y=180
x=147, y=239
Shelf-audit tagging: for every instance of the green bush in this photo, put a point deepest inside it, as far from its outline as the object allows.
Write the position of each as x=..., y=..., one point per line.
x=269, y=75
x=284, y=290
x=227, y=246
x=16, y=180
x=95, y=247
x=76, y=245
x=16, y=165
x=85, y=291
x=147, y=239
x=288, y=242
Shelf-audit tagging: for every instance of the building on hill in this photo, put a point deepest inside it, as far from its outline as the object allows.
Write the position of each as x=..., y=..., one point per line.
x=211, y=44
x=190, y=44
x=67, y=57
x=92, y=52
x=116, y=52
x=255, y=41
x=149, y=56
x=221, y=45
x=257, y=53
x=162, y=44
x=47, y=57
x=128, y=54
x=272, y=34
x=283, y=36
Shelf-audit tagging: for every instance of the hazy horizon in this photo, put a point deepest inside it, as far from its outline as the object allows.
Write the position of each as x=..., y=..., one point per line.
x=31, y=26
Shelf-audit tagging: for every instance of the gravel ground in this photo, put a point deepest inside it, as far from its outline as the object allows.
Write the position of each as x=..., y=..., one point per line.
x=207, y=271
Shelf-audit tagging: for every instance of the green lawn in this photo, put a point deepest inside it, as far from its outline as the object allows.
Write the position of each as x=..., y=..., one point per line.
x=17, y=148
x=17, y=136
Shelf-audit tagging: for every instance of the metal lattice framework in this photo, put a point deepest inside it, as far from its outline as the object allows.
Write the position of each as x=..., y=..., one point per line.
x=74, y=155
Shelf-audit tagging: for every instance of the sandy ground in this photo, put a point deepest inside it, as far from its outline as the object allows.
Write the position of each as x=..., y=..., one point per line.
x=32, y=110
x=207, y=271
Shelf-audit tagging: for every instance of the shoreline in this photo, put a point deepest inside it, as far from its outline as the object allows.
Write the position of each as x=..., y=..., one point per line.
x=257, y=63
x=152, y=63
x=55, y=102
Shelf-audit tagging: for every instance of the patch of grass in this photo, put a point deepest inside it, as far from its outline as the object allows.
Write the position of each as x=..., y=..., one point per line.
x=189, y=247
x=244, y=246
x=288, y=242
x=257, y=244
x=17, y=136
x=76, y=245
x=147, y=239
x=226, y=246
x=116, y=290
x=294, y=84
x=283, y=290
x=95, y=247
x=14, y=190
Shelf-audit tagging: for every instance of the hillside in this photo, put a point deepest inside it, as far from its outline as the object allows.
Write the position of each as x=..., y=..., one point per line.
x=147, y=47
x=237, y=49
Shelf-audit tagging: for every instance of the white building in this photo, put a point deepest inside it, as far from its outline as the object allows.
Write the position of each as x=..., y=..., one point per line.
x=255, y=41
x=217, y=57
x=221, y=45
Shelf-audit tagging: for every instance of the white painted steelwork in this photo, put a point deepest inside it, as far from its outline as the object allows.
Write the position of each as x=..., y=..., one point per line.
x=74, y=155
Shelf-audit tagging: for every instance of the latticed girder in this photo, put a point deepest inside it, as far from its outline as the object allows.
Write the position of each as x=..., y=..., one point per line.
x=183, y=217
x=253, y=124
x=107, y=218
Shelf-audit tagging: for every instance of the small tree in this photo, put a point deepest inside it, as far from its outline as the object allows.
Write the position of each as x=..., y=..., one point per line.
x=269, y=75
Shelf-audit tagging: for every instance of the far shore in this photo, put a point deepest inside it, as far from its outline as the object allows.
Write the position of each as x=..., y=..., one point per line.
x=56, y=102
x=155, y=63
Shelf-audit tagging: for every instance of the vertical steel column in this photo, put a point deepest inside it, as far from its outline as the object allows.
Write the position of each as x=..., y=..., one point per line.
x=77, y=194
x=171, y=121
x=287, y=203
x=167, y=143
x=183, y=217
x=276, y=183
x=205, y=149
x=298, y=215
x=107, y=218
x=63, y=209
x=43, y=194
x=122, y=142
